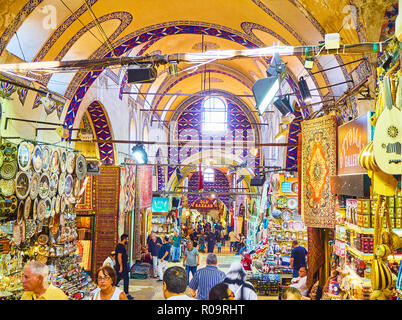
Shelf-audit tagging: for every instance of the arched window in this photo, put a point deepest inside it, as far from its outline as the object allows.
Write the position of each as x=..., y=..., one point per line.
x=214, y=114
x=209, y=175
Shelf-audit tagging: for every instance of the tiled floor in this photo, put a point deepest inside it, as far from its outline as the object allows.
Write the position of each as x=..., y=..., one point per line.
x=151, y=289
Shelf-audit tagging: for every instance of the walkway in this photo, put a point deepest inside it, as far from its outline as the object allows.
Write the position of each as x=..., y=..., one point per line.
x=151, y=289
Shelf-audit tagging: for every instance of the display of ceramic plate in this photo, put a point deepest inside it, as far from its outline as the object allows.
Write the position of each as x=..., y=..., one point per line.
x=292, y=203
x=291, y=224
x=43, y=239
x=7, y=187
x=16, y=234
x=57, y=206
x=285, y=225
x=54, y=184
x=48, y=205
x=30, y=228
x=35, y=209
x=70, y=165
x=81, y=167
x=63, y=203
x=8, y=170
x=20, y=212
x=63, y=160
x=46, y=156
x=62, y=183
x=53, y=208
x=68, y=185
x=27, y=208
x=286, y=215
x=41, y=210
x=37, y=158
x=281, y=201
x=44, y=183
x=24, y=156
x=295, y=187
x=55, y=162
x=76, y=187
x=276, y=213
x=22, y=185
x=8, y=205
x=34, y=185
x=10, y=151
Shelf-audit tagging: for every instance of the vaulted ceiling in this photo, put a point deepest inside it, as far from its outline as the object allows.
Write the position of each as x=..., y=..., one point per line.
x=50, y=30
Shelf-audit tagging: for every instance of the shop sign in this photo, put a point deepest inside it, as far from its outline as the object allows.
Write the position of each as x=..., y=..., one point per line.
x=160, y=204
x=352, y=138
x=203, y=204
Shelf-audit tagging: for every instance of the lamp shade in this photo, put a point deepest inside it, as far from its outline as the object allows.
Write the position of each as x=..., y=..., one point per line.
x=304, y=90
x=139, y=154
x=264, y=91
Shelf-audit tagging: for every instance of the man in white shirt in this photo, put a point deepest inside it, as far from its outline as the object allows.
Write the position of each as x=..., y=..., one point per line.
x=175, y=284
x=300, y=281
x=110, y=260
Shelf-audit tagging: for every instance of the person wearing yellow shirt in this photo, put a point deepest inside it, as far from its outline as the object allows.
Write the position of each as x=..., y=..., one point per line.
x=36, y=284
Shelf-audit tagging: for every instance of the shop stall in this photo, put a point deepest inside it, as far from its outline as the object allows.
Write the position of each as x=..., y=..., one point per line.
x=40, y=185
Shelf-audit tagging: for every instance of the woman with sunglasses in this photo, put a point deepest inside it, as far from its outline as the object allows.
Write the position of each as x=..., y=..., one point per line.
x=105, y=278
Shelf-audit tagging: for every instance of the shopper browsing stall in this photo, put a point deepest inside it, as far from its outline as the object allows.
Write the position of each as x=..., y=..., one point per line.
x=163, y=257
x=297, y=258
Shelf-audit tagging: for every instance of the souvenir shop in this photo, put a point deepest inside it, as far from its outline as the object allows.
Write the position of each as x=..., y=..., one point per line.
x=40, y=188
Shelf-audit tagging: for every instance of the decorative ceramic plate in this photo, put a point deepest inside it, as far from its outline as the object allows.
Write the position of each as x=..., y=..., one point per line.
x=37, y=158
x=7, y=187
x=22, y=185
x=286, y=215
x=34, y=192
x=20, y=212
x=81, y=167
x=63, y=203
x=62, y=183
x=54, y=184
x=298, y=225
x=276, y=214
x=43, y=239
x=55, y=162
x=1, y=158
x=76, y=187
x=57, y=206
x=291, y=224
x=285, y=225
x=10, y=151
x=8, y=170
x=281, y=201
x=70, y=165
x=41, y=210
x=27, y=208
x=24, y=156
x=46, y=156
x=69, y=185
x=16, y=234
x=30, y=228
x=53, y=208
x=48, y=204
x=35, y=209
x=44, y=183
x=63, y=160
x=292, y=203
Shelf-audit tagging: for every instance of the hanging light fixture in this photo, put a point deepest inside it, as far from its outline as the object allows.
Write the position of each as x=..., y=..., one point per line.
x=139, y=154
x=264, y=90
x=283, y=106
x=304, y=90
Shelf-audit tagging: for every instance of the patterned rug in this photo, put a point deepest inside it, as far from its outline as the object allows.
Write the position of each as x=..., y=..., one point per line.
x=318, y=164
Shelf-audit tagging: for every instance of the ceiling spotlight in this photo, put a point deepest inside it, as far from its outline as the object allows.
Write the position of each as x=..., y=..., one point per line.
x=137, y=74
x=264, y=90
x=283, y=106
x=304, y=90
x=139, y=154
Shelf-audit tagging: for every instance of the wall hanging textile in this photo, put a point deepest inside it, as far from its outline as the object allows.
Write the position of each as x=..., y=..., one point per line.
x=318, y=164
